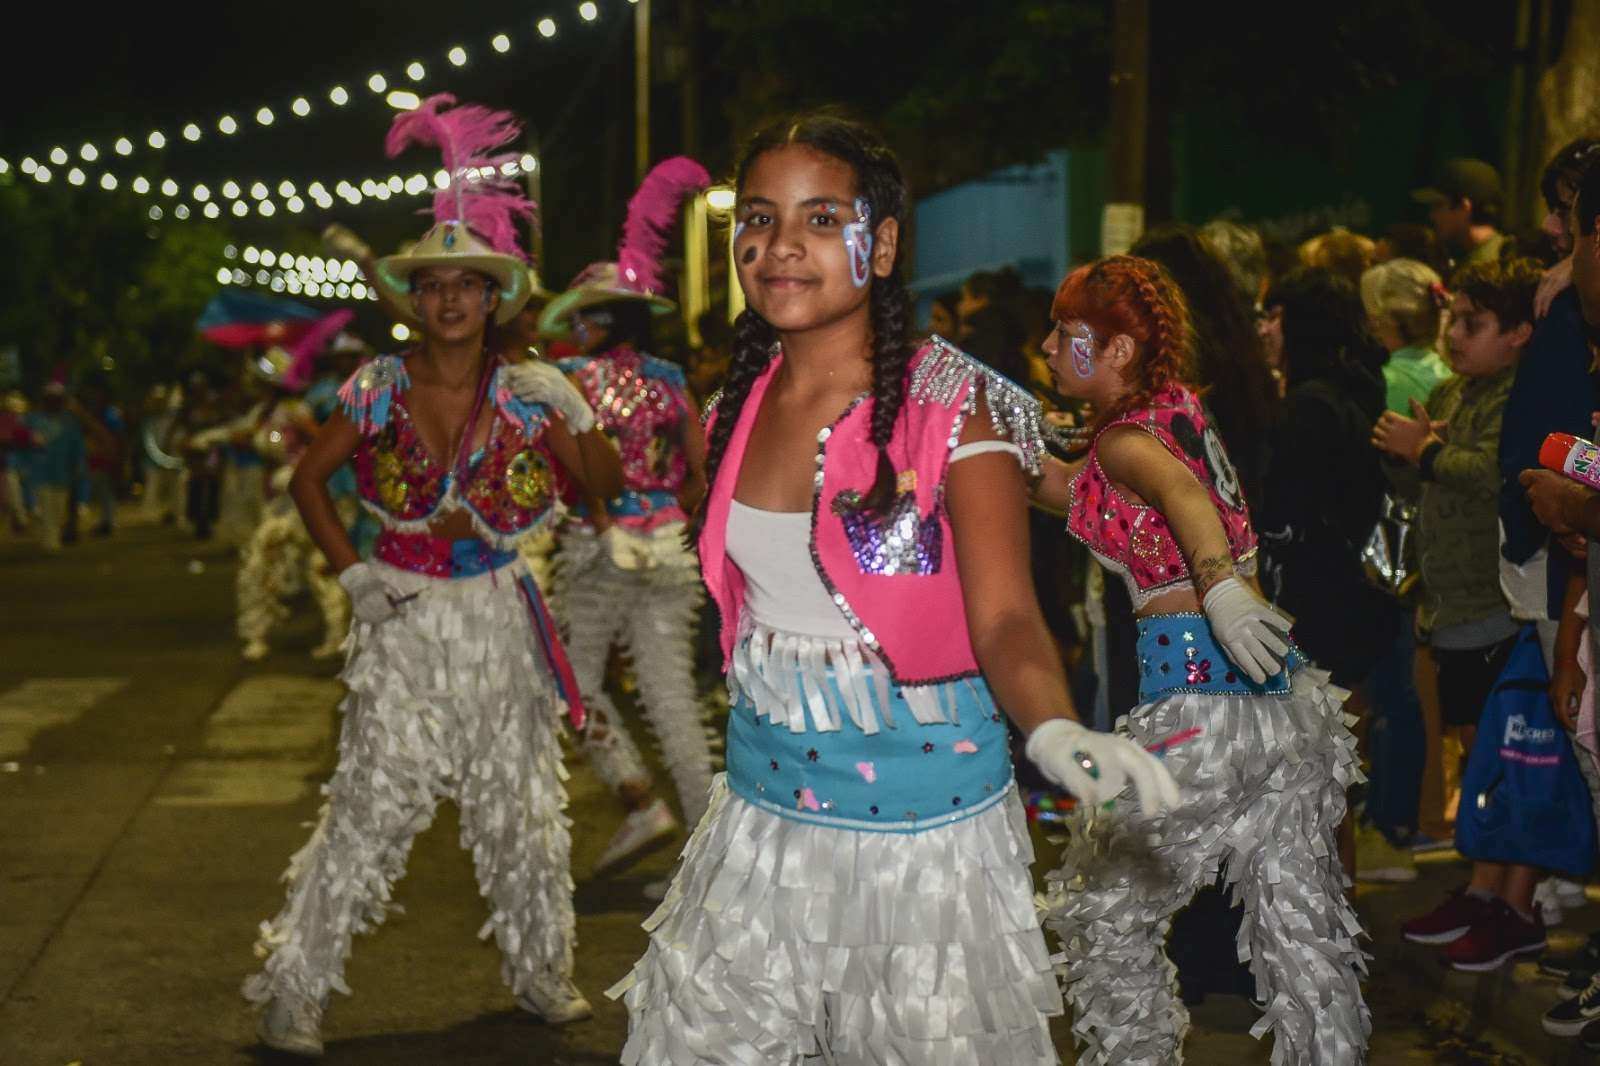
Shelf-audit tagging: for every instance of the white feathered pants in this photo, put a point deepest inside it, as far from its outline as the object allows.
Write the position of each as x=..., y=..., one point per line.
x=452, y=699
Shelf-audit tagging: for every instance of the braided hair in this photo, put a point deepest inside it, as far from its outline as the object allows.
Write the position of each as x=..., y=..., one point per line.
x=1137, y=297
x=879, y=183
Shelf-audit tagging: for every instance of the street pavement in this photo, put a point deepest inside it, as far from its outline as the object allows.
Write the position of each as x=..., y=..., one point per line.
x=153, y=786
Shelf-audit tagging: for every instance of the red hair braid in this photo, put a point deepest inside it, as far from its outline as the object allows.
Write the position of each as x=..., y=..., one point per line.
x=1137, y=297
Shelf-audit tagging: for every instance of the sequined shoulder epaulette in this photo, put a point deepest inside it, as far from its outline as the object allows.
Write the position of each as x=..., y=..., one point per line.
x=669, y=372
x=368, y=396
x=529, y=417
x=945, y=375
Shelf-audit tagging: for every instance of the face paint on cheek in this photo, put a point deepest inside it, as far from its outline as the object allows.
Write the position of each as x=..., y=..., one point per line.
x=858, y=244
x=749, y=256
x=1082, y=348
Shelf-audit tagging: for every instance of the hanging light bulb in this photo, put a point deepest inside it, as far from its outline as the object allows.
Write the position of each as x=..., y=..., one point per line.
x=230, y=189
x=416, y=71
x=58, y=156
x=211, y=211
x=157, y=139
x=89, y=153
x=338, y=95
x=123, y=146
x=181, y=211
x=141, y=185
x=169, y=187
x=301, y=106
x=377, y=83
x=108, y=182
x=264, y=116
x=547, y=27
x=588, y=11
x=457, y=56
x=501, y=43
x=191, y=132
x=227, y=125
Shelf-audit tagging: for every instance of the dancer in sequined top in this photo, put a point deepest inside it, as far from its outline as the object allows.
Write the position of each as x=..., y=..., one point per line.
x=859, y=888
x=456, y=677
x=631, y=549
x=1254, y=735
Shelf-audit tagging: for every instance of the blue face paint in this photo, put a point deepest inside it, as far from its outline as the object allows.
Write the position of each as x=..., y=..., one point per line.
x=858, y=244
x=1082, y=345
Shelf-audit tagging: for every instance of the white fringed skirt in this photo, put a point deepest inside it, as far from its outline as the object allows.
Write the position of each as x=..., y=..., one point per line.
x=782, y=942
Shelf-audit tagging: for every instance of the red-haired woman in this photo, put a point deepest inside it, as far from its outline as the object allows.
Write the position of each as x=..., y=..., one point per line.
x=1254, y=736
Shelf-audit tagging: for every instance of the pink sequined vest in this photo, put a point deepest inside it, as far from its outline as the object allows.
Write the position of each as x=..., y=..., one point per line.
x=893, y=577
x=641, y=403
x=1135, y=538
x=508, y=488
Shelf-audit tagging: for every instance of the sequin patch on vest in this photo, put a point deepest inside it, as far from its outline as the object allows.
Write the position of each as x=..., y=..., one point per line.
x=900, y=542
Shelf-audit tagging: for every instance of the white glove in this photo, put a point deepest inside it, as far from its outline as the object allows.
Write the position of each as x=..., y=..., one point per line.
x=1250, y=630
x=535, y=381
x=343, y=241
x=371, y=599
x=1095, y=767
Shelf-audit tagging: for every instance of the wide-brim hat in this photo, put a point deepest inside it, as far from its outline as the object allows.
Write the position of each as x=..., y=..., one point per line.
x=452, y=244
x=600, y=283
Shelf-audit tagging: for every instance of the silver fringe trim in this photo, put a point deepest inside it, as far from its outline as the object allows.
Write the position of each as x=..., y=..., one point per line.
x=947, y=373
x=452, y=699
x=787, y=676
x=1264, y=786
x=450, y=503
x=651, y=614
x=780, y=939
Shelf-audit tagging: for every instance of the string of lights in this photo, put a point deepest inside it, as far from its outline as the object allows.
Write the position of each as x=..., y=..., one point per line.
x=307, y=276
x=43, y=165
x=247, y=197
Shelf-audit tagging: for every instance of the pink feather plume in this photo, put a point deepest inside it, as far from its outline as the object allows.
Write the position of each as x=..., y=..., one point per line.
x=652, y=213
x=309, y=345
x=467, y=136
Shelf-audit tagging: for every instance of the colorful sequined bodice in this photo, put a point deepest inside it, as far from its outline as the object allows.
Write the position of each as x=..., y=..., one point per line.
x=641, y=403
x=509, y=484
x=1136, y=539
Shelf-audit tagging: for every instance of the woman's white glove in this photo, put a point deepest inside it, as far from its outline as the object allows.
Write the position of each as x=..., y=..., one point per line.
x=1095, y=767
x=535, y=381
x=371, y=599
x=1250, y=630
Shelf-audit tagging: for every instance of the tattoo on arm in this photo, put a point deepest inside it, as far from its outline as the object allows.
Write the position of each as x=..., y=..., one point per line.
x=1209, y=570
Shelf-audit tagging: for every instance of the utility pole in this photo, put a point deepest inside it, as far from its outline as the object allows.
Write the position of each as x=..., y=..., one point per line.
x=689, y=26
x=535, y=179
x=1122, y=220
x=641, y=88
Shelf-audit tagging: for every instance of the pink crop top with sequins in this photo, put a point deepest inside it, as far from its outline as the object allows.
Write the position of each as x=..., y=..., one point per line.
x=509, y=487
x=642, y=404
x=1134, y=540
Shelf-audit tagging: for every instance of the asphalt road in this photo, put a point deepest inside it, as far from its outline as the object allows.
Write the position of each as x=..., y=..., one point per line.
x=153, y=785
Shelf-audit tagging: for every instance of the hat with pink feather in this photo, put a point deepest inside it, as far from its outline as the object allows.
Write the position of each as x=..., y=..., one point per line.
x=476, y=213
x=637, y=274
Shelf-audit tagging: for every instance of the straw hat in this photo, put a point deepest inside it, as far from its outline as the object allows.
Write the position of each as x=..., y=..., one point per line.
x=453, y=244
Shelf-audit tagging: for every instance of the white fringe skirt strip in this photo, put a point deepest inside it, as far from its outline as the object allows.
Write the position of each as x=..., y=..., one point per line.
x=1264, y=781
x=783, y=942
x=452, y=699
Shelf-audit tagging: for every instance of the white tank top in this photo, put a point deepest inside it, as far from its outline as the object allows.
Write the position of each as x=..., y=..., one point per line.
x=782, y=589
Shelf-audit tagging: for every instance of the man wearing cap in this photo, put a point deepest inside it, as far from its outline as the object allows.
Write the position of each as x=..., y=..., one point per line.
x=1464, y=206
x=456, y=676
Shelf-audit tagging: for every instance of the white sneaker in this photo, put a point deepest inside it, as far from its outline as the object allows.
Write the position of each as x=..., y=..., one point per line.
x=1549, y=902
x=1572, y=894
x=256, y=650
x=641, y=832
x=293, y=1025
x=556, y=999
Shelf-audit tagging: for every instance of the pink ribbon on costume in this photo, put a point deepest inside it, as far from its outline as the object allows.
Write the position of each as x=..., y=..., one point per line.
x=554, y=652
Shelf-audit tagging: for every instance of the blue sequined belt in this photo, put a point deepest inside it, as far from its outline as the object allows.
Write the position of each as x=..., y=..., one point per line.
x=423, y=553
x=1178, y=653
x=904, y=779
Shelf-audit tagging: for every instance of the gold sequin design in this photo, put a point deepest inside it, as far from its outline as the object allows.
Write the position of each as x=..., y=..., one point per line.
x=528, y=480
x=389, y=473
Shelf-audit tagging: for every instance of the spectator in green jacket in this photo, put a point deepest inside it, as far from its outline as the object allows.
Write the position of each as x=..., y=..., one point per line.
x=1454, y=440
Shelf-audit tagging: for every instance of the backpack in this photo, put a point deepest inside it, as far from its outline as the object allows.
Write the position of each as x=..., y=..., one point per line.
x=1523, y=798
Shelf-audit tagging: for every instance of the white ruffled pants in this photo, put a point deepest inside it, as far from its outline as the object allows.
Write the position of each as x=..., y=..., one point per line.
x=650, y=613
x=782, y=942
x=278, y=561
x=1263, y=785
x=452, y=699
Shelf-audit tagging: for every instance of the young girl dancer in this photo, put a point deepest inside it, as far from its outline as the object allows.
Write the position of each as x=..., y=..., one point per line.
x=859, y=888
x=1253, y=734
x=455, y=675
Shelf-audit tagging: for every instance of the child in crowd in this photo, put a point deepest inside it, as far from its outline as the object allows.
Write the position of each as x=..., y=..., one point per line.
x=1453, y=441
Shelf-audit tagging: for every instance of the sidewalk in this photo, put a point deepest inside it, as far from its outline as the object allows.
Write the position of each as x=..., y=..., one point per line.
x=1510, y=1001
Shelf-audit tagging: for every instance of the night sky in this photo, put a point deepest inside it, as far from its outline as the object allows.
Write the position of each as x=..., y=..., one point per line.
x=128, y=69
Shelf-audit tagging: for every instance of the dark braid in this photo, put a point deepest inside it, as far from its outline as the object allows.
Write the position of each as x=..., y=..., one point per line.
x=878, y=181
x=753, y=338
